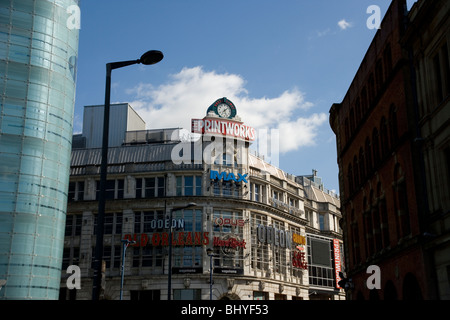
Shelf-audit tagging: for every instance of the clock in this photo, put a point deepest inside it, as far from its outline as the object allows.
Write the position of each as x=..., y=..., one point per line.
x=224, y=110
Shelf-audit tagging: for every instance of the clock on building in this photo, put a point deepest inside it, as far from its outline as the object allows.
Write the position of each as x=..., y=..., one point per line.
x=224, y=108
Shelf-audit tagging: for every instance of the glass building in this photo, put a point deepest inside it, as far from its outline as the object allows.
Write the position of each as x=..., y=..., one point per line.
x=38, y=54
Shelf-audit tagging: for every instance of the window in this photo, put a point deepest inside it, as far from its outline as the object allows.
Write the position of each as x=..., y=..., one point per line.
x=356, y=171
x=362, y=163
x=189, y=185
x=151, y=187
x=112, y=223
x=189, y=255
x=379, y=74
x=226, y=159
x=376, y=147
x=320, y=267
x=393, y=130
x=73, y=225
x=350, y=178
x=113, y=190
x=145, y=295
x=384, y=137
x=260, y=252
x=387, y=56
x=371, y=89
x=257, y=192
x=187, y=294
x=76, y=191
x=441, y=67
x=322, y=221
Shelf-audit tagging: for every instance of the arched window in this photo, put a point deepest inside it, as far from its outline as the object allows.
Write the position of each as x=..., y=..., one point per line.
x=364, y=100
x=379, y=74
x=384, y=137
x=355, y=238
x=355, y=173
x=401, y=202
x=352, y=121
x=362, y=164
x=376, y=147
x=368, y=150
x=357, y=111
x=347, y=130
x=393, y=126
x=371, y=89
x=350, y=179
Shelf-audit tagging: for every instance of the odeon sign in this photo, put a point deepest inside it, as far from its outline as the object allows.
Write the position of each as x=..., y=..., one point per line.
x=273, y=236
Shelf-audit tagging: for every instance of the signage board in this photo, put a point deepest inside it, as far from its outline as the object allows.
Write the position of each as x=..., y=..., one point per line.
x=225, y=176
x=337, y=261
x=223, y=127
x=182, y=238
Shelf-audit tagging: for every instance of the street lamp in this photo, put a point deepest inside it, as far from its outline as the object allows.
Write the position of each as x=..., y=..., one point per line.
x=169, y=285
x=148, y=58
x=125, y=243
x=210, y=253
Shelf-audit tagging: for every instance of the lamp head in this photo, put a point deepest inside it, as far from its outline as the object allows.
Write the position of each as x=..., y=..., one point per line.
x=151, y=57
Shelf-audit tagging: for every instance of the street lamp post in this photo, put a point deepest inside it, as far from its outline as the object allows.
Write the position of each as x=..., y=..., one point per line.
x=126, y=243
x=169, y=285
x=148, y=58
x=210, y=253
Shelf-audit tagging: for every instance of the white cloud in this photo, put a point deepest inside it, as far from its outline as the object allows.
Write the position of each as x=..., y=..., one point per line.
x=190, y=92
x=343, y=24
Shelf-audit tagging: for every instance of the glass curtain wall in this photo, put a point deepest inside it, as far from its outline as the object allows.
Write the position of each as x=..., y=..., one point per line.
x=38, y=54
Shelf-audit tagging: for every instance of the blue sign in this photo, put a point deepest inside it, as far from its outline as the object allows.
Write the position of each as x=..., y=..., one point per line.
x=228, y=176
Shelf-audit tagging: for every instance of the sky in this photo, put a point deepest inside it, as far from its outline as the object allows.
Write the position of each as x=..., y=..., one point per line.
x=282, y=63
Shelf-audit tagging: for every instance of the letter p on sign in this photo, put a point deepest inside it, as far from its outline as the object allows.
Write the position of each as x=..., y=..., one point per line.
x=374, y=281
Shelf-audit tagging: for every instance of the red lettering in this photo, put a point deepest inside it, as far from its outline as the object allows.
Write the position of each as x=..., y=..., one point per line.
x=165, y=239
x=198, y=238
x=144, y=239
x=189, y=239
x=205, y=238
x=180, y=238
x=156, y=238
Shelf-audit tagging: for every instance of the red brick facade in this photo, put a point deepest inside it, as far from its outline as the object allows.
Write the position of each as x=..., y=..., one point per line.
x=375, y=146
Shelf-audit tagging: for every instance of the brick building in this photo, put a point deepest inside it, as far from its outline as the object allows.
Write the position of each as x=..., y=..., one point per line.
x=382, y=174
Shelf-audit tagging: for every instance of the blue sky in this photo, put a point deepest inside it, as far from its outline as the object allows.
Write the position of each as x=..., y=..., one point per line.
x=282, y=63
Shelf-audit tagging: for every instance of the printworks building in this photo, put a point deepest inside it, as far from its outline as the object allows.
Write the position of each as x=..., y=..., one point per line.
x=209, y=201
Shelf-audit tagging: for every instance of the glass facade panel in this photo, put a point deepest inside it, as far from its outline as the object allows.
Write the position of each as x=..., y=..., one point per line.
x=37, y=57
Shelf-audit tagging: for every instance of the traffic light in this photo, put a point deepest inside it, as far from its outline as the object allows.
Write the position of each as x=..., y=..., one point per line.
x=345, y=283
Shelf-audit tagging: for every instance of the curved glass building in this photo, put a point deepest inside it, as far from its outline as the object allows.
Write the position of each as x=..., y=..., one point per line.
x=38, y=54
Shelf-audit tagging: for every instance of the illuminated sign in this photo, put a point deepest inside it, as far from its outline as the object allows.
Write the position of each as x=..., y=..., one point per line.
x=228, y=176
x=186, y=238
x=229, y=222
x=224, y=127
x=297, y=238
x=337, y=261
x=229, y=242
x=272, y=235
x=298, y=260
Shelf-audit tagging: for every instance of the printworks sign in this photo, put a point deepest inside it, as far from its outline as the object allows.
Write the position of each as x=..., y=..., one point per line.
x=223, y=127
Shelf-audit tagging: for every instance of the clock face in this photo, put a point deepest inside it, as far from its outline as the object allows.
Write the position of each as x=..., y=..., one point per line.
x=224, y=110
